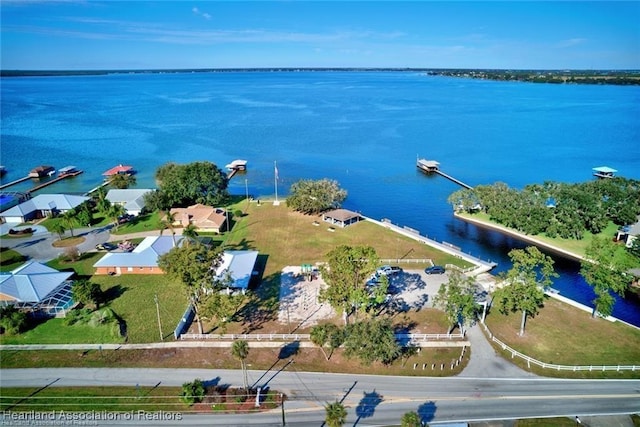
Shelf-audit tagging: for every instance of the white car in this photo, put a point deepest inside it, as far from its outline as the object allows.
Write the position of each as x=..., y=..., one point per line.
x=388, y=270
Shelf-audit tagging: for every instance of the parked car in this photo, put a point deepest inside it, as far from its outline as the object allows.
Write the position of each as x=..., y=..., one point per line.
x=105, y=246
x=388, y=270
x=436, y=269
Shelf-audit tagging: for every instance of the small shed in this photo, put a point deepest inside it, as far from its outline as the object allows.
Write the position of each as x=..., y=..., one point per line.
x=341, y=217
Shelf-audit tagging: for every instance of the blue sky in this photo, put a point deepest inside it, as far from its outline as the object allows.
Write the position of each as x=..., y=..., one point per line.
x=220, y=34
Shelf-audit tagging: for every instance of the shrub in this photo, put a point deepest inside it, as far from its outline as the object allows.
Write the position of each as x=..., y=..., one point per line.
x=192, y=392
x=12, y=320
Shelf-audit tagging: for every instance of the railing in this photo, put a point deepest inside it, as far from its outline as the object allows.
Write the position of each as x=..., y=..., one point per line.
x=306, y=337
x=530, y=360
x=247, y=337
x=407, y=260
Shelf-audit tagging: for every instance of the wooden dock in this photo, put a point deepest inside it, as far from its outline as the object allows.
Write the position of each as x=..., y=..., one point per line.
x=53, y=181
x=17, y=181
x=431, y=166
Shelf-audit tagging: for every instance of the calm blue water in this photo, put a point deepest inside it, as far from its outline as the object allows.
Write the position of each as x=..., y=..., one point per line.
x=363, y=129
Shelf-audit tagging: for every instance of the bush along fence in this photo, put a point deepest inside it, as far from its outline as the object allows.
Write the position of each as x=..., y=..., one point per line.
x=531, y=360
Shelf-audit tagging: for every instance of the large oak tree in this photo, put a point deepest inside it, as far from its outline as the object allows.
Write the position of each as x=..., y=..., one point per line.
x=525, y=283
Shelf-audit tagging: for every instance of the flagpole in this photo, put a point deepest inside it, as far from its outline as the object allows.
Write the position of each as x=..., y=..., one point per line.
x=275, y=178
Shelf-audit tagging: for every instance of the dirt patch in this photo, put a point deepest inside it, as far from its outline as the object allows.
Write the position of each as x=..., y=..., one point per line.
x=68, y=242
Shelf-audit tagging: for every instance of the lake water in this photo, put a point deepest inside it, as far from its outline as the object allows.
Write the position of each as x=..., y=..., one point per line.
x=363, y=129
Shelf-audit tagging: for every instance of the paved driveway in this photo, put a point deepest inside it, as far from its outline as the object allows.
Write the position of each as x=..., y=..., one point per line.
x=38, y=247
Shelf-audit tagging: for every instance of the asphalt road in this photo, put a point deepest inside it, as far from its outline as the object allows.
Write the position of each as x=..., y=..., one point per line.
x=370, y=400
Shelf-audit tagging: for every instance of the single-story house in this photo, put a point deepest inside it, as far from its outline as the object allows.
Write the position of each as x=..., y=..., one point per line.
x=131, y=199
x=629, y=233
x=41, y=206
x=142, y=260
x=204, y=218
x=341, y=217
x=237, y=267
x=37, y=288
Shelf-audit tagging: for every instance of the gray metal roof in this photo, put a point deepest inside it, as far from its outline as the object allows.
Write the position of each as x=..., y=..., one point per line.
x=144, y=255
x=132, y=199
x=32, y=282
x=240, y=266
x=46, y=202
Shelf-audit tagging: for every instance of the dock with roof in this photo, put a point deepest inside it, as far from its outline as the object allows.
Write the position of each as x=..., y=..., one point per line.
x=431, y=166
x=604, y=172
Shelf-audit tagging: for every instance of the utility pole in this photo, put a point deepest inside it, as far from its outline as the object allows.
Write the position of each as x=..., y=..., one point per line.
x=155, y=298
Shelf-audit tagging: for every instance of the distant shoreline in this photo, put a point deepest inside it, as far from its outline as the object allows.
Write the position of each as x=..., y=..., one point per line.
x=521, y=236
x=601, y=77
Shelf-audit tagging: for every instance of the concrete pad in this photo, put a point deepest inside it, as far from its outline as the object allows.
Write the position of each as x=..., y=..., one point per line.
x=299, y=306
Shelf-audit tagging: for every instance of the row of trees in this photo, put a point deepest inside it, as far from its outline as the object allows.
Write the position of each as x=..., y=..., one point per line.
x=553, y=208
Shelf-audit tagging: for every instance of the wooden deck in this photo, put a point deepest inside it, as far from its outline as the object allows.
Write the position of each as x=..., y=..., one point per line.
x=53, y=181
x=17, y=181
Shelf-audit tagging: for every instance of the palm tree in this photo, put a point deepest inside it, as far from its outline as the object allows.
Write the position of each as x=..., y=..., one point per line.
x=190, y=231
x=122, y=181
x=69, y=218
x=240, y=350
x=115, y=212
x=411, y=419
x=102, y=203
x=336, y=414
x=59, y=228
x=167, y=222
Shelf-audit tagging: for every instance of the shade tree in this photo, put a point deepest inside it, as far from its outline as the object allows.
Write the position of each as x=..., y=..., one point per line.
x=524, y=283
x=315, y=196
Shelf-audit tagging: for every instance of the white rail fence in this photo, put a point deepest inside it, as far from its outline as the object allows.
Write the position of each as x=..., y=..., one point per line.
x=531, y=360
x=306, y=337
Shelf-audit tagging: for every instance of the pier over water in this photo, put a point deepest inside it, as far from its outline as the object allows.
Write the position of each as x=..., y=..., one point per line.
x=431, y=166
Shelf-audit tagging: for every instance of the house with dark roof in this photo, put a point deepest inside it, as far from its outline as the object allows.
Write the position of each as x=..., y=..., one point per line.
x=38, y=289
x=131, y=199
x=142, y=260
x=42, y=206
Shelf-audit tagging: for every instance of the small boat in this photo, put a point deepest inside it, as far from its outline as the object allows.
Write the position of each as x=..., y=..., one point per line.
x=3, y=170
x=67, y=170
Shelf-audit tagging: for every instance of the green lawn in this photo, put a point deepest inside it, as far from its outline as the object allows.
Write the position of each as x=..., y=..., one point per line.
x=146, y=222
x=132, y=298
x=10, y=259
x=577, y=247
x=564, y=335
x=290, y=238
x=84, y=399
x=54, y=331
x=83, y=267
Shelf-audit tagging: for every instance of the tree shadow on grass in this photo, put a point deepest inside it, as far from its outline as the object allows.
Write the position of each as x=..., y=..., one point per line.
x=289, y=350
x=262, y=306
x=367, y=405
x=113, y=293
